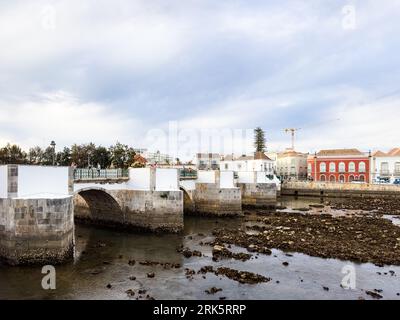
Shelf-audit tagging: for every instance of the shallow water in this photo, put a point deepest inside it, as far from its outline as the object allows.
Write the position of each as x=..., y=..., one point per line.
x=102, y=258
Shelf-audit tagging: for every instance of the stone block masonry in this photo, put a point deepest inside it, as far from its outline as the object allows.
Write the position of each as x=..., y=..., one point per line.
x=258, y=195
x=36, y=231
x=339, y=190
x=210, y=199
x=141, y=210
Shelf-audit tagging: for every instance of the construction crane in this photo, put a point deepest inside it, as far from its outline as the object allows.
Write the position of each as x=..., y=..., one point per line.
x=293, y=133
x=294, y=130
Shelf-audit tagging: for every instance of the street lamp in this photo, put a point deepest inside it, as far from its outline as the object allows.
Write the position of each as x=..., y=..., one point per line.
x=53, y=145
x=88, y=159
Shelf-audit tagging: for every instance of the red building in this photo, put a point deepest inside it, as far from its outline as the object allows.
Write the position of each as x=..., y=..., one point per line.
x=339, y=165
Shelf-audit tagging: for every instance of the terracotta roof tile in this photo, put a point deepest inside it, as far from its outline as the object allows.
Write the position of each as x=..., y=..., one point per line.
x=394, y=152
x=340, y=152
x=379, y=154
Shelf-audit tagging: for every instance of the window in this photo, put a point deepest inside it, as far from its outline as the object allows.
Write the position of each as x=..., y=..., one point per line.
x=322, y=178
x=342, y=167
x=351, y=178
x=332, y=167
x=332, y=178
x=322, y=167
x=226, y=166
x=362, y=167
x=384, y=168
x=397, y=168
x=352, y=167
x=362, y=178
x=309, y=168
x=342, y=179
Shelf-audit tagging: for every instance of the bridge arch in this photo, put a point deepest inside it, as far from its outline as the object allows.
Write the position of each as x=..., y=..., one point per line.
x=96, y=205
x=188, y=202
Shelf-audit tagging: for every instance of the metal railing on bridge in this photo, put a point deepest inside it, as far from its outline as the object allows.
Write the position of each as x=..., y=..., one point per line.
x=187, y=174
x=88, y=174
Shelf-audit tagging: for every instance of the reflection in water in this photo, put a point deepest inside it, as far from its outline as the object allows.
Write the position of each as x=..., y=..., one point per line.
x=102, y=258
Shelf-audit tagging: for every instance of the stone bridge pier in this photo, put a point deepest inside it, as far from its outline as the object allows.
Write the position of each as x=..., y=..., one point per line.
x=256, y=189
x=150, y=200
x=213, y=193
x=36, y=215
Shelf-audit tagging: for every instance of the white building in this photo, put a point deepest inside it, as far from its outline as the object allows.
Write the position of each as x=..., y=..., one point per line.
x=207, y=161
x=257, y=162
x=156, y=158
x=386, y=165
x=292, y=164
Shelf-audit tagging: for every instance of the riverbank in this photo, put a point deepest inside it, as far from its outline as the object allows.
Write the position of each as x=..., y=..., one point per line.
x=115, y=265
x=340, y=190
x=355, y=238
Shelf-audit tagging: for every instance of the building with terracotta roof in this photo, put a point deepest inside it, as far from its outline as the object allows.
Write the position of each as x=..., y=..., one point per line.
x=386, y=165
x=207, y=161
x=291, y=164
x=339, y=165
x=394, y=152
x=256, y=162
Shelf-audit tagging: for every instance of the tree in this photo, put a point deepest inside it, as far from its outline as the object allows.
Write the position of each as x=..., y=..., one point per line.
x=122, y=156
x=35, y=155
x=259, y=139
x=82, y=155
x=48, y=155
x=12, y=154
x=101, y=156
x=64, y=157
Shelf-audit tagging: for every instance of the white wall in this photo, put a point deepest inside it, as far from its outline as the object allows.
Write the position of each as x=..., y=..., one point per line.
x=205, y=176
x=226, y=179
x=36, y=180
x=245, y=177
x=139, y=179
x=3, y=181
x=261, y=177
x=377, y=165
x=248, y=165
x=167, y=180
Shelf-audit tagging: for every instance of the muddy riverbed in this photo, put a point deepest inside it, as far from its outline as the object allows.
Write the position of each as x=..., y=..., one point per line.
x=357, y=258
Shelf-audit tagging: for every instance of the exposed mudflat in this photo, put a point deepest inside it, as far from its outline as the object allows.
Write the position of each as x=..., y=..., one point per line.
x=378, y=205
x=354, y=238
x=303, y=250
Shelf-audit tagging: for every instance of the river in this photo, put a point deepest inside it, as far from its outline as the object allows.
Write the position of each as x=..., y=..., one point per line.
x=102, y=257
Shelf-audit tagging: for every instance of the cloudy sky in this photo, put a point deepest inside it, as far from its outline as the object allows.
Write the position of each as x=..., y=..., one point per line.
x=102, y=71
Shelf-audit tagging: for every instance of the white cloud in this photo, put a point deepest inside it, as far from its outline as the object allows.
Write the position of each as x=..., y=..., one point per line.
x=235, y=64
x=62, y=117
x=129, y=35
x=367, y=126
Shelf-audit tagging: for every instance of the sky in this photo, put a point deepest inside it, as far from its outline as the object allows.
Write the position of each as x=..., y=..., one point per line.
x=169, y=74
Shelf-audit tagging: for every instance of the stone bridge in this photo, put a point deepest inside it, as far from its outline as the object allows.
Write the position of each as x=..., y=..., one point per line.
x=38, y=205
x=149, y=199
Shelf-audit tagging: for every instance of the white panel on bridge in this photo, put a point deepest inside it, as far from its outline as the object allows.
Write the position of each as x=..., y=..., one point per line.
x=205, y=176
x=262, y=177
x=226, y=180
x=3, y=181
x=246, y=177
x=34, y=181
x=167, y=180
x=139, y=178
